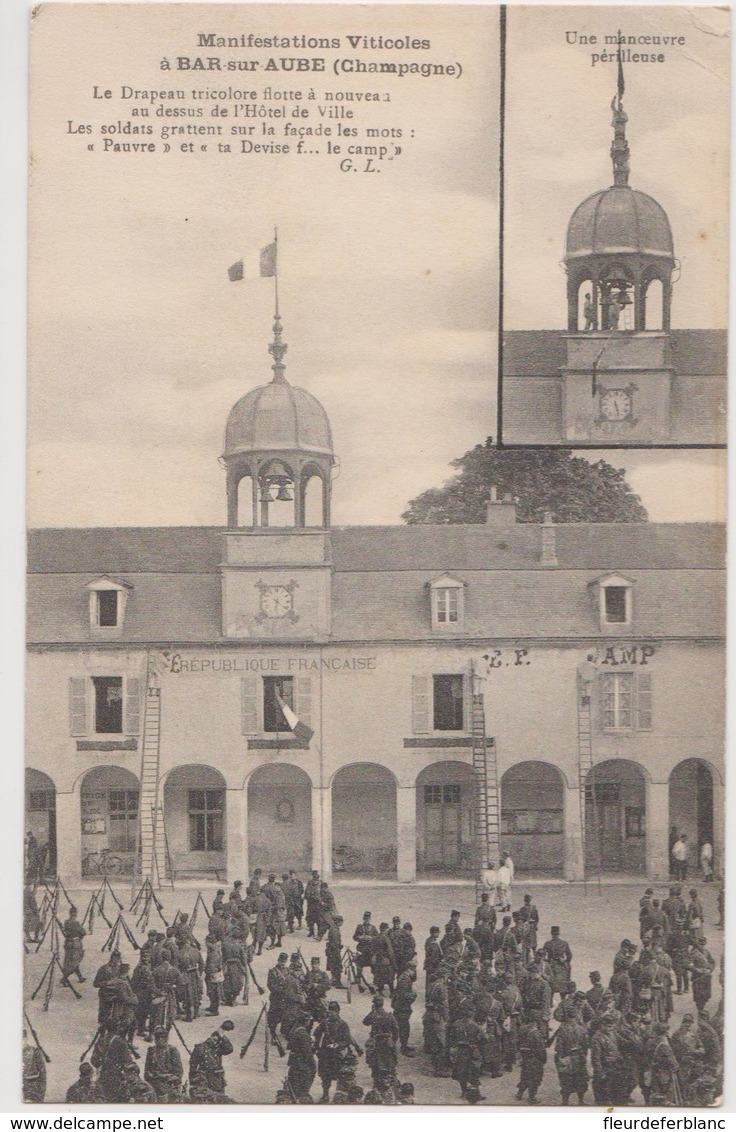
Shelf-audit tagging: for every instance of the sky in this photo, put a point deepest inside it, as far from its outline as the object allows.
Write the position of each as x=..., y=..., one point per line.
x=139, y=344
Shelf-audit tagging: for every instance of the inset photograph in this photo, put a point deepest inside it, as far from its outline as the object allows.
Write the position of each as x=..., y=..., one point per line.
x=615, y=227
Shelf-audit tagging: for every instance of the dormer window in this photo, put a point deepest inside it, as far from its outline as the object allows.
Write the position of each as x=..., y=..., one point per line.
x=107, y=608
x=615, y=600
x=107, y=601
x=447, y=598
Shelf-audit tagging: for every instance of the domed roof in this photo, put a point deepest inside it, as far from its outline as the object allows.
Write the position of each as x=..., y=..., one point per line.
x=278, y=417
x=619, y=220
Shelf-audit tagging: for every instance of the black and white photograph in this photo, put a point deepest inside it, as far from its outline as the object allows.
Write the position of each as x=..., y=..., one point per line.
x=374, y=756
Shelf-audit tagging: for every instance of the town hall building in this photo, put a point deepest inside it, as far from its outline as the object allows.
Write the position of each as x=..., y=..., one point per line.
x=561, y=683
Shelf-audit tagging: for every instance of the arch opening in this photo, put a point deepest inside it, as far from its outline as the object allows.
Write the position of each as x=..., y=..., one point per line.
x=280, y=818
x=109, y=800
x=691, y=808
x=246, y=516
x=654, y=305
x=615, y=818
x=532, y=817
x=364, y=833
x=40, y=827
x=277, y=495
x=588, y=314
x=313, y=494
x=445, y=831
x=194, y=804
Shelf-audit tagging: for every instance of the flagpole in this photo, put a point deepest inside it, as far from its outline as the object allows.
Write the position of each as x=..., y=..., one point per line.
x=276, y=267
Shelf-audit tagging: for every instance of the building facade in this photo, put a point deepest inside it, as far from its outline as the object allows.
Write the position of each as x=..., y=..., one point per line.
x=167, y=669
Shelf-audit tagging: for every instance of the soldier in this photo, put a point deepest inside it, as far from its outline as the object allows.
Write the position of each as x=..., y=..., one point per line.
x=511, y=1001
x=571, y=1057
x=452, y=940
x=298, y=896
x=333, y=1041
x=288, y=887
x=401, y=1004
x=364, y=937
x=236, y=894
x=606, y=1059
x=257, y=907
x=276, y=912
x=533, y=1058
x=311, y=895
x=485, y=922
x=143, y=988
x=504, y=940
x=105, y=974
x=183, y=933
x=677, y=949
x=701, y=965
x=383, y=961
x=234, y=968
x=466, y=1039
x=31, y=917
x=164, y=1004
x=408, y=947
x=538, y=999
x=34, y=1072
x=316, y=985
x=170, y=947
x=674, y=906
x=694, y=913
x=689, y=1051
x=163, y=1069
x=116, y=1058
x=73, y=933
x=665, y=1085
x=213, y=974
x=276, y=981
x=380, y=1049
x=471, y=951
x=191, y=964
x=302, y=1062
x=435, y=1022
x=489, y=1014
x=206, y=1073
x=559, y=957
x=293, y=999
x=630, y=1040
x=218, y=904
x=432, y=956
x=122, y=1003
x=333, y=952
x=85, y=1090
x=327, y=909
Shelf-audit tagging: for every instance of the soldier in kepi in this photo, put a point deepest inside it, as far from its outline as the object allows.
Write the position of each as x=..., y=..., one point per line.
x=163, y=1070
x=73, y=933
x=401, y=1003
x=364, y=937
x=333, y=951
x=333, y=1042
x=207, y=1083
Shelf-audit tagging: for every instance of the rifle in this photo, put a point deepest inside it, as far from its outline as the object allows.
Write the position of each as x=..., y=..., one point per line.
x=358, y=1049
x=91, y=1044
x=180, y=1036
x=247, y=1045
x=258, y=986
x=276, y=1041
x=303, y=960
x=361, y=977
x=34, y=1035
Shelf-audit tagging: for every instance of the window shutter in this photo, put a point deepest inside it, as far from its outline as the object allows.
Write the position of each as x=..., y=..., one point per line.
x=644, y=702
x=78, y=705
x=303, y=700
x=249, y=704
x=420, y=704
x=133, y=706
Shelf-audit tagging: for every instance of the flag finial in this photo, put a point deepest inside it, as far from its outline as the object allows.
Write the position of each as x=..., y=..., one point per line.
x=619, y=145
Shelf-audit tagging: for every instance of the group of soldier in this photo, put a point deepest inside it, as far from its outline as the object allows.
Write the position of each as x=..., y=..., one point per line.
x=492, y=999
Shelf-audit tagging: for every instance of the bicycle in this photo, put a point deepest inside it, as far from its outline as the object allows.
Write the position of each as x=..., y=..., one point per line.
x=102, y=862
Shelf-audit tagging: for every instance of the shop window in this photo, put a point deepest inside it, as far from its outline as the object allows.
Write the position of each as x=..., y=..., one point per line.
x=448, y=703
x=275, y=687
x=206, y=820
x=123, y=814
x=41, y=801
x=439, y=795
x=108, y=705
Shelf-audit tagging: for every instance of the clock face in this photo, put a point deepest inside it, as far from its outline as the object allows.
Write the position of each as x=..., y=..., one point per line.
x=616, y=405
x=276, y=601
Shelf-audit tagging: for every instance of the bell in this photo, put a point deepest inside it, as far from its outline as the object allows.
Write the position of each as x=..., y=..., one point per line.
x=265, y=496
x=283, y=495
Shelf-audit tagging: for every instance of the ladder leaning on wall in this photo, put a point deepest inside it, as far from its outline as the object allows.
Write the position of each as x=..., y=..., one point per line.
x=153, y=861
x=485, y=776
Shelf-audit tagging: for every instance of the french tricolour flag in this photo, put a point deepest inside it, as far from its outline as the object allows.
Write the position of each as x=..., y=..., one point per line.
x=299, y=730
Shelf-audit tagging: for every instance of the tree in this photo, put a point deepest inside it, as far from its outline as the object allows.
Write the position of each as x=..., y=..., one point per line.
x=540, y=479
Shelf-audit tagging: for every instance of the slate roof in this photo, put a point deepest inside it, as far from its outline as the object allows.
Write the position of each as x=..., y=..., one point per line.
x=380, y=589
x=532, y=353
